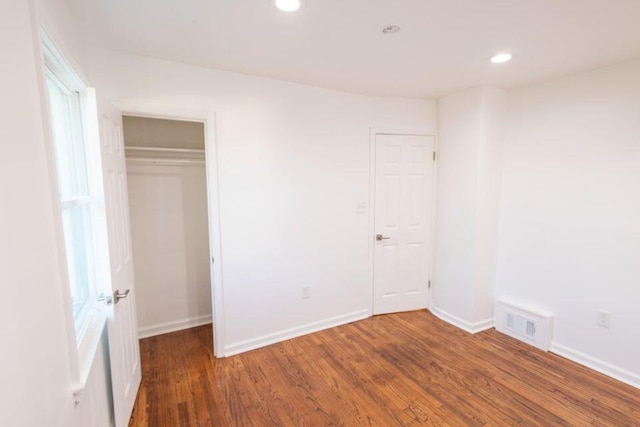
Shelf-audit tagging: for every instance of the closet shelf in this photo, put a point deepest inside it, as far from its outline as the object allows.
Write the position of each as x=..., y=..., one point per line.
x=164, y=156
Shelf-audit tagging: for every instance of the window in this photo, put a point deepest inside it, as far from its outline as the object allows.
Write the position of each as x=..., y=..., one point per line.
x=72, y=164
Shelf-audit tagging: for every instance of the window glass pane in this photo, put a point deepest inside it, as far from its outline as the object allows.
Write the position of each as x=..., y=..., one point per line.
x=75, y=221
x=73, y=184
x=67, y=137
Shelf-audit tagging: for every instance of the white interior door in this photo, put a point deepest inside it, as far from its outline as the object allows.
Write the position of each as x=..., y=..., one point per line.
x=403, y=194
x=124, y=351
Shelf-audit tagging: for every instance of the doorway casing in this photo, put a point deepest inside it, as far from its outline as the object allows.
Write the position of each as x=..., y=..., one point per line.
x=213, y=215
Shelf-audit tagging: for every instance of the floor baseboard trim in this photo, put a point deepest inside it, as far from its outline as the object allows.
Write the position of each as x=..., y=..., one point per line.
x=254, y=343
x=177, y=325
x=472, y=328
x=601, y=366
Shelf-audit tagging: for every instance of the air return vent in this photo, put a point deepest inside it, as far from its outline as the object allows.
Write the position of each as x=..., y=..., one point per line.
x=532, y=327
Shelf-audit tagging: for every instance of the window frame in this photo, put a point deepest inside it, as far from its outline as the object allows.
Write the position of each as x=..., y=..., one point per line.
x=84, y=343
x=82, y=200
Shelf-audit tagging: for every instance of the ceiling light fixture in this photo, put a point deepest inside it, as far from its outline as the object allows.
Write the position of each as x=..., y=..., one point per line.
x=501, y=57
x=391, y=29
x=288, y=5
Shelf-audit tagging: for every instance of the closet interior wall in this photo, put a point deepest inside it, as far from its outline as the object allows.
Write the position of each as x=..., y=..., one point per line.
x=169, y=225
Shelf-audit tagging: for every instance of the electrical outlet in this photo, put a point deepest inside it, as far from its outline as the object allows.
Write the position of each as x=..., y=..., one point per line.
x=604, y=319
x=306, y=292
x=362, y=208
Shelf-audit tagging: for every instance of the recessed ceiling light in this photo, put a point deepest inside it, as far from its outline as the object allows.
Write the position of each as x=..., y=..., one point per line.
x=501, y=57
x=288, y=5
x=391, y=29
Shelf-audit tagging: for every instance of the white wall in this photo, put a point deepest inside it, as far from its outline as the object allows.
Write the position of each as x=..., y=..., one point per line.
x=170, y=240
x=36, y=370
x=492, y=122
x=470, y=126
x=570, y=216
x=36, y=385
x=60, y=24
x=34, y=355
x=293, y=164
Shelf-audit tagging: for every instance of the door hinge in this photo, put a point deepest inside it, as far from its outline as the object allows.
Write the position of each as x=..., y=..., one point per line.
x=429, y=284
x=212, y=260
x=434, y=156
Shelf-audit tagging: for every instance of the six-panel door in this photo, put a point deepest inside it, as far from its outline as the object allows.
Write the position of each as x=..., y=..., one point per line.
x=403, y=192
x=122, y=324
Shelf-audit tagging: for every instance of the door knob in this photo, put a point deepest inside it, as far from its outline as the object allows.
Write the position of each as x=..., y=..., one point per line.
x=380, y=237
x=117, y=295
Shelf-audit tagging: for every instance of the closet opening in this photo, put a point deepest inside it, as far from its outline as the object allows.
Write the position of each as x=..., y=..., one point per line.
x=167, y=189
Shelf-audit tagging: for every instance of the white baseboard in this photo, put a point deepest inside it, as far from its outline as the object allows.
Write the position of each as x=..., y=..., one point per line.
x=176, y=325
x=472, y=328
x=252, y=344
x=596, y=364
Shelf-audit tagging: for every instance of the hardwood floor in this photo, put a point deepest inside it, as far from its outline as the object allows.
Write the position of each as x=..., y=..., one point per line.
x=406, y=369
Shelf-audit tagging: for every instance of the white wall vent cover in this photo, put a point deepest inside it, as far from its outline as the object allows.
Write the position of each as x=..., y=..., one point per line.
x=534, y=328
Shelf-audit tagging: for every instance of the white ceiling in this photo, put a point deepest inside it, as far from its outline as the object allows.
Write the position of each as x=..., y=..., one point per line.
x=444, y=45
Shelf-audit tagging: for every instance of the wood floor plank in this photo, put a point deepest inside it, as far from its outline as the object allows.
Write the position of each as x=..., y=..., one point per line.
x=406, y=369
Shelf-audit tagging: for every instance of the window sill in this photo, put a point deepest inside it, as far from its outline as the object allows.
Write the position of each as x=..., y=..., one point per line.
x=87, y=349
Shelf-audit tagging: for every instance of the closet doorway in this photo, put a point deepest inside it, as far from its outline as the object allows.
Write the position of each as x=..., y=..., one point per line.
x=167, y=189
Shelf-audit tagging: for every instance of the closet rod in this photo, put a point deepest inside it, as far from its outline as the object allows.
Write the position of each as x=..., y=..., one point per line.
x=162, y=149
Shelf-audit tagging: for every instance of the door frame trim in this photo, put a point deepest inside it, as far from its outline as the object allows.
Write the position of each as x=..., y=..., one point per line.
x=213, y=215
x=405, y=131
